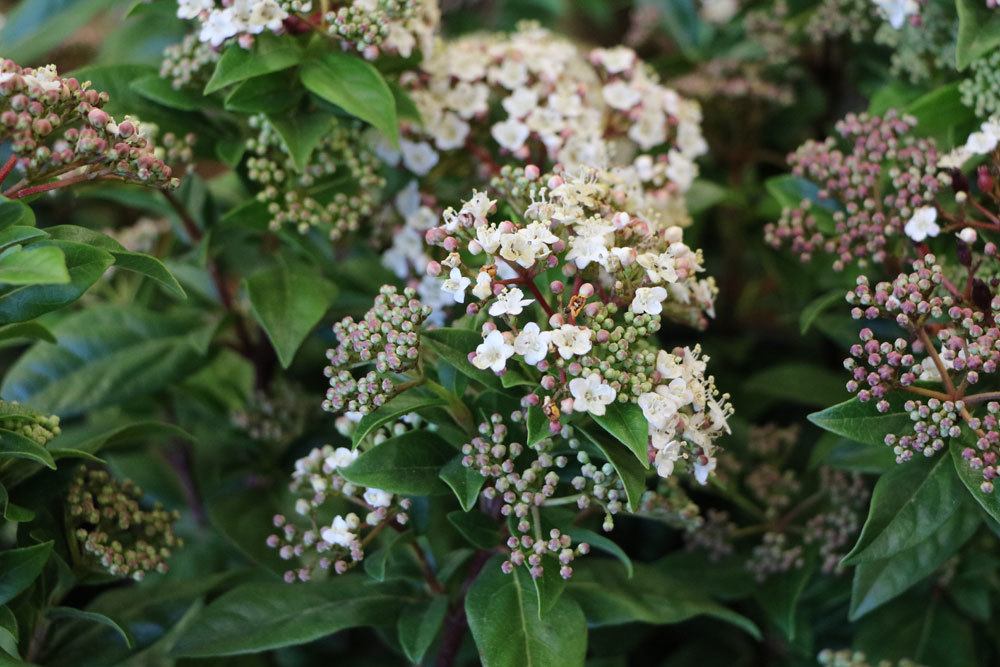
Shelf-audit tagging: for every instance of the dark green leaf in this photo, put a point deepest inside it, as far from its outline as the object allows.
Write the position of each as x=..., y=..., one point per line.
x=797, y=382
x=973, y=479
x=601, y=543
x=302, y=133
x=355, y=86
x=504, y=619
x=19, y=234
x=862, y=422
x=419, y=623
x=288, y=301
x=464, y=481
x=817, y=307
x=161, y=90
x=399, y=406
x=26, y=331
x=538, y=425
x=16, y=446
x=978, y=32
x=35, y=27
x=454, y=346
x=630, y=471
x=15, y=212
x=626, y=422
x=270, y=53
x=270, y=94
x=477, y=528
x=20, y=567
x=92, y=617
x=408, y=464
x=283, y=615
x=779, y=596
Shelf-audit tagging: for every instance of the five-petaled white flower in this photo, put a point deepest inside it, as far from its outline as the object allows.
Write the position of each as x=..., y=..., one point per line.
x=570, y=339
x=510, y=134
x=493, y=352
x=339, y=531
x=591, y=394
x=484, y=285
x=456, y=284
x=341, y=458
x=532, y=343
x=657, y=408
x=378, y=497
x=922, y=224
x=648, y=300
x=509, y=302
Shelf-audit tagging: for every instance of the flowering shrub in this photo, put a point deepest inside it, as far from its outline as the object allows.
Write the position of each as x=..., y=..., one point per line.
x=499, y=333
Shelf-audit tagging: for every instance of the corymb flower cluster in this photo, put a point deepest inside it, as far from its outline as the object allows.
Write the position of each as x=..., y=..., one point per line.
x=59, y=134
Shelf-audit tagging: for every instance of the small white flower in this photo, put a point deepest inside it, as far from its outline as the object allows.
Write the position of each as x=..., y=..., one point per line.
x=897, y=11
x=532, y=343
x=339, y=532
x=488, y=237
x=456, y=285
x=572, y=340
x=719, y=11
x=418, y=157
x=509, y=302
x=521, y=102
x=218, y=27
x=450, y=132
x=649, y=300
x=615, y=60
x=190, y=9
x=484, y=285
x=591, y=394
x=510, y=134
x=660, y=268
x=680, y=170
x=341, y=458
x=518, y=248
x=922, y=224
x=378, y=497
x=658, y=409
x=981, y=143
x=702, y=471
x=619, y=95
x=968, y=235
x=493, y=353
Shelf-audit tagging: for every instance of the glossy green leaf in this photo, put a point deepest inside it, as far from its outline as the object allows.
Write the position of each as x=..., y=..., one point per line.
x=270, y=53
x=817, y=307
x=464, y=481
x=972, y=480
x=34, y=265
x=269, y=94
x=602, y=543
x=797, y=382
x=978, y=32
x=160, y=90
x=354, y=85
x=400, y=406
x=503, y=616
x=35, y=27
x=779, y=596
x=92, y=617
x=454, y=346
x=301, y=134
x=19, y=234
x=626, y=422
x=26, y=331
x=15, y=212
x=408, y=464
x=16, y=446
x=862, y=422
x=85, y=266
x=106, y=355
x=476, y=528
x=419, y=623
x=282, y=615
x=20, y=567
x=909, y=504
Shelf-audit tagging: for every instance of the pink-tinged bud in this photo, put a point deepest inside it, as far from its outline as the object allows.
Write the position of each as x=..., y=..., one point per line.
x=575, y=368
x=498, y=289
x=245, y=41
x=433, y=268
x=507, y=227
x=531, y=172
x=488, y=328
x=557, y=286
x=983, y=179
x=126, y=129
x=472, y=309
x=450, y=244
x=603, y=336
x=555, y=182
x=555, y=427
x=542, y=365
x=548, y=382
x=98, y=118
x=531, y=399
x=41, y=127
x=559, y=246
x=475, y=247
x=471, y=357
x=566, y=405
x=586, y=290
x=620, y=220
x=556, y=320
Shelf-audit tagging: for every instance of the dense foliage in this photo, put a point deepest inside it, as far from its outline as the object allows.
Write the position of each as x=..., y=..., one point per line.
x=524, y=332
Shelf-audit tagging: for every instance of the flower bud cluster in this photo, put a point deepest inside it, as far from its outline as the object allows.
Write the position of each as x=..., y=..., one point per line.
x=387, y=339
x=276, y=416
x=591, y=342
x=869, y=186
x=29, y=423
x=400, y=27
x=56, y=127
x=847, y=658
x=222, y=20
x=189, y=63
x=981, y=90
x=320, y=544
x=315, y=197
x=113, y=529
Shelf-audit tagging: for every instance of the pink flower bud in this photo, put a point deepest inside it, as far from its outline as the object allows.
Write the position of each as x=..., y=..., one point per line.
x=531, y=172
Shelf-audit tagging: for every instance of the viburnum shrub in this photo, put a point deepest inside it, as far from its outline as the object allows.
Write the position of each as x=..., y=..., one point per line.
x=509, y=333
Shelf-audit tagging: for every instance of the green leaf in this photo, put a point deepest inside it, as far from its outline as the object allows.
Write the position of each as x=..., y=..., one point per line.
x=877, y=582
x=85, y=265
x=289, y=301
x=601, y=543
x=626, y=422
x=978, y=32
x=909, y=504
x=538, y=425
x=160, y=90
x=355, y=86
x=454, y=346
x=282, y=615
x=20, y=567
x=503, y=617
x=93, y=617
x=8, y=632
x=15, y=212
x=106, y=355
x=26, y=331
x=270, y=53
x=862, y=422
x=112, y=434
x=136, y=262
x=797, y=382
x=16, y=446
x=409, y=464
x=609, y=597
x=630, y=471
x=779, y=596
x=942, y=116
x=399, y=406
x=33, y=28
x=302, y=133
x=972, y=479
x=34, y=265
x=19, y=234
x=464, y=481
x=270, y=94
x=817, y=307
x=477, y=528
x=376, y=562
x=419, y=623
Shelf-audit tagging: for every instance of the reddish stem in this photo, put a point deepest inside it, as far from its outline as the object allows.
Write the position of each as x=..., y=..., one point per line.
x=53, y=185
x=7, y=168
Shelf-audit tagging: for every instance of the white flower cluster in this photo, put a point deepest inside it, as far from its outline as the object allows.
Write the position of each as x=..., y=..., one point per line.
x=531, y=95
x=897, y=12
x=623, y=271
x=221, y=20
